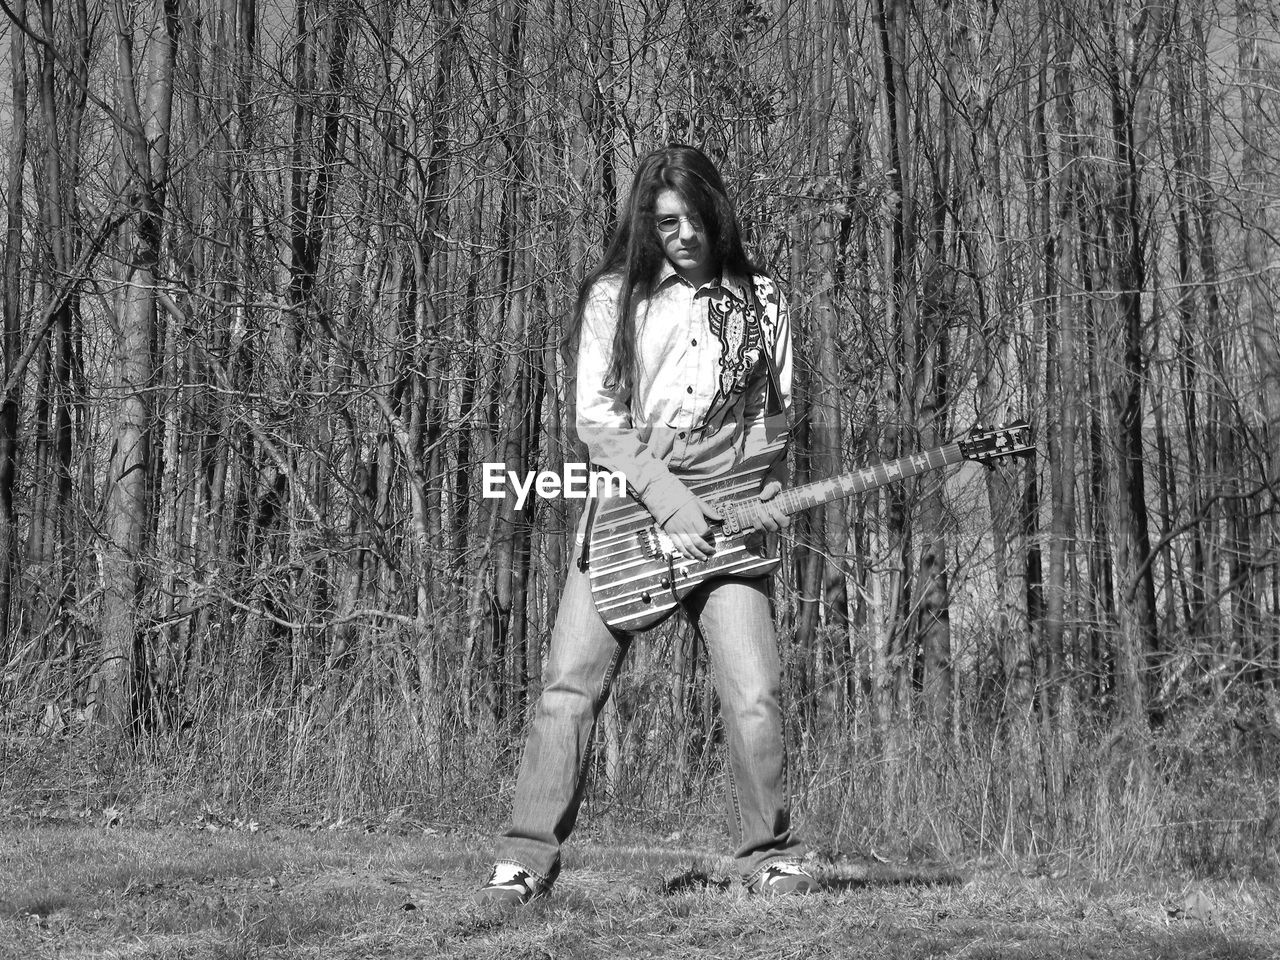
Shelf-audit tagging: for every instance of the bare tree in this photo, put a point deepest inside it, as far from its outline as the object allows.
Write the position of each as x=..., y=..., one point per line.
x=146, y=48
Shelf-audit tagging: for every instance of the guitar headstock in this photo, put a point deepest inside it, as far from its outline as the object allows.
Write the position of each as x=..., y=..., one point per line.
x=1006, y=440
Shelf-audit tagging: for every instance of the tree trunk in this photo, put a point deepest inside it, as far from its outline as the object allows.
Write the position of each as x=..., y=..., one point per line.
x=145, y=109
x=1261, y=642
x=899, y=269
x=1138, y=636
x=11, y=337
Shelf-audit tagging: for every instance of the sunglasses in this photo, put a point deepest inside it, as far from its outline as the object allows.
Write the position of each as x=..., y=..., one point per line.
x=667, y=225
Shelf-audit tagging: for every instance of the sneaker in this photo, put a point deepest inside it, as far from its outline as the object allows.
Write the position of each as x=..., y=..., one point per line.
x=781, y=877
x=510, y=885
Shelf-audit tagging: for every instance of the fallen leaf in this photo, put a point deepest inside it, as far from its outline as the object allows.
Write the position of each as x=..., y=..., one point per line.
x=1194, y=906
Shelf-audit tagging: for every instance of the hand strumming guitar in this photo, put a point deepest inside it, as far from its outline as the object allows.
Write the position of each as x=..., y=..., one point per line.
x=688, y=529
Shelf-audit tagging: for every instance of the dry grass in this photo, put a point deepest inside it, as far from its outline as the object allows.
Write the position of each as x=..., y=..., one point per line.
x=201, y=888
x=1200, y=795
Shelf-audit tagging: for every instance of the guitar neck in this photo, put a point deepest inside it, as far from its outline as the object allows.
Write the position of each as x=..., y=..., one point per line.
x=868, y=478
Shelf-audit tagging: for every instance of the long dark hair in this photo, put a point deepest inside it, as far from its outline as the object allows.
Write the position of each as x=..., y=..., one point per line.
x=634, y=254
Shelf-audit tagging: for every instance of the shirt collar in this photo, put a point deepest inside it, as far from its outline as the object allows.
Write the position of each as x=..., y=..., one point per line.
x=668, y=275
x=729, y=282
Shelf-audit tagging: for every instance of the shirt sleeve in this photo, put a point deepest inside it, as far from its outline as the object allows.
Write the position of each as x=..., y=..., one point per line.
x=762, y=431
x=604, y=416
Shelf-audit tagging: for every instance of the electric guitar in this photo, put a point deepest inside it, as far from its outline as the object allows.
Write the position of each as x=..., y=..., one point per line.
x=637, y=576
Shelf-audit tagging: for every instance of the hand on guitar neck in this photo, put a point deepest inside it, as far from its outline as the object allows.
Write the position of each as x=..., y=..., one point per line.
x=769, y=514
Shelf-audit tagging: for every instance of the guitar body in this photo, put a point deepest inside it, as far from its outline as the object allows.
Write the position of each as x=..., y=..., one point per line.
x=637, y=577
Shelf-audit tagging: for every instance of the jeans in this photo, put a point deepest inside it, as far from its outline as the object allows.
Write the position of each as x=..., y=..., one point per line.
x=584, y=658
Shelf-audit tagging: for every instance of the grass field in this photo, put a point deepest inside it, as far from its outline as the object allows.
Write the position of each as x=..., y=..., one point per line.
x=99, y=884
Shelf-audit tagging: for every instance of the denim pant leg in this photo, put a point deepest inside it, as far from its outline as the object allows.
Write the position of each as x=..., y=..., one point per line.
x=738, y=627
x=583, y=660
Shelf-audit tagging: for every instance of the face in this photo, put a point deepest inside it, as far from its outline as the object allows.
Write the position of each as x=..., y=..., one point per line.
x=684, y=238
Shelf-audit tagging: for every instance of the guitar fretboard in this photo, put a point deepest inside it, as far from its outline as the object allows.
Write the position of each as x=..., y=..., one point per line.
x=857, y=481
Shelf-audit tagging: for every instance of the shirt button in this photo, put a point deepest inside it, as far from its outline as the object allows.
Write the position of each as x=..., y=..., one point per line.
x=681, y=434
x=688, y=389
x=695, y=343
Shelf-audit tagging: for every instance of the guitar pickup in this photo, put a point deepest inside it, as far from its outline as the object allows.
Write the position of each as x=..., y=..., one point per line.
x=731, y=523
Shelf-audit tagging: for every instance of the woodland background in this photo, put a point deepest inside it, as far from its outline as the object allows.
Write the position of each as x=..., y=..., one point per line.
x=279, y=276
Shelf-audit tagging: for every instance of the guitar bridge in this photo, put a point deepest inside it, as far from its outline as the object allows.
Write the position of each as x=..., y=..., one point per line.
x=657, y=544
x=648, y=542
x=651, y=543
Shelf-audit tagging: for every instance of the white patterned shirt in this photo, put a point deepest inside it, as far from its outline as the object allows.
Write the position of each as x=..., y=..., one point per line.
x=698, y=407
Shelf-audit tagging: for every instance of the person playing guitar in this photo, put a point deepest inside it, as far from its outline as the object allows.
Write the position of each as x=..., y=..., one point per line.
x=683, y=372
